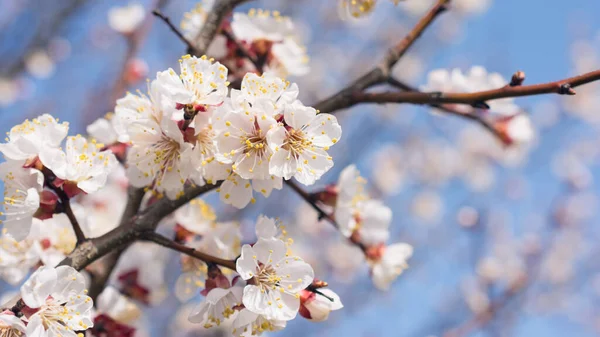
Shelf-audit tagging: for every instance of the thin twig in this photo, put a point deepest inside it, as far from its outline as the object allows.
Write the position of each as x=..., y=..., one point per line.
x=109, y=262
x=322, y=214
x=311, y=201
x=561, y=87
x=450, y=109
x=66, y=208
x=175, y=30
x=166, y=242
x=380, y=73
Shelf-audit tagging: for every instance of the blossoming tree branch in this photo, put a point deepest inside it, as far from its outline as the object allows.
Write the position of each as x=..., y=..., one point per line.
x=226, y=121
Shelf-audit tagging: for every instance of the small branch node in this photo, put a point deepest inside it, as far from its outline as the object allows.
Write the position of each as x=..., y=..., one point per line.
x=517, y=79
x=566, y=89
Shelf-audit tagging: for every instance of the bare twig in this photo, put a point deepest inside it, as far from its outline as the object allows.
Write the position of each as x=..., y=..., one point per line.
x=166, y=242
x=561, y=87
x=450, y=109
x=174, y=29
x=66, y=208
x=311, y=201
x=380, y=73
x=322, y=214
x=212, y=25
x=109, y=262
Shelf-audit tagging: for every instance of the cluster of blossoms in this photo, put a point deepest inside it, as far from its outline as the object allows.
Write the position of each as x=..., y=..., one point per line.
x=55, y=303
x=271, y=287
x=267, y=37
x=511, y=123
x=365, y=222
x=187, y=129
x=37, y=171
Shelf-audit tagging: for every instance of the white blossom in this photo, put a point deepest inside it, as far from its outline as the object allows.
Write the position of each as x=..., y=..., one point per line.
x=357, y=213
x=197, y=217
x=353, y=9
x=41, y=137
x=517, y=129
x=11, y=325
x=17, y=258
x=274, y=279
x=126, y=19
x=248, y=323
x=300, y=147
x=22, y=187
x=56, y=236
x=217, y=306
x=477, y=79
x=103, y=130
x=276, y=33
x=59, y=296
x=317, y=306
x=117, y=306
x=390, y=263
x=84, y=163
x=201, y=82
x=159, y=156
x=238, y=192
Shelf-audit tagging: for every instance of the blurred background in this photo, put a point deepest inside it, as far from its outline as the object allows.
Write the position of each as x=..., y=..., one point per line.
x=505, y=238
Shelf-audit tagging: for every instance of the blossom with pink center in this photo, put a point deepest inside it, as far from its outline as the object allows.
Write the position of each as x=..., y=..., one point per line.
x=316, y=306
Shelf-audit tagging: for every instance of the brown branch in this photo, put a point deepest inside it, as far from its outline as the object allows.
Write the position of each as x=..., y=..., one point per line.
x=109, y=262
x=311, y=201
x=65, y=202
x=166, y=242
x=212, y=24
x=174, y=29
x=450, y=109
x=380, y=73
x=561, y=87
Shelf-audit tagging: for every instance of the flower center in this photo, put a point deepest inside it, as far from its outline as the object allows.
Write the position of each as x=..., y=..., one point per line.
x=204, y=139
x=266, y=277
x=296, y=142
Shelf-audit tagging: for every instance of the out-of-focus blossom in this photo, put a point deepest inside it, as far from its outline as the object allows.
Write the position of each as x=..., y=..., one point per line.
x=476, y=79
x=126, y=19
x=39, y=64
x=136, y=70
x=272, y=36
x=22, y=187
x=428, y=205
x=139, y=273
x=388, y=262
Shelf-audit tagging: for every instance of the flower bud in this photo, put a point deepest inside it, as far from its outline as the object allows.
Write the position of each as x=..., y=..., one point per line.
x=316, y=306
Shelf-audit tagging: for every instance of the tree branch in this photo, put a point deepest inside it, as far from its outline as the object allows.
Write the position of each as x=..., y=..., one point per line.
x=380, y=73
x=66, y=205
x=450, y=109
x=166, y=242
x=99, y=280
x=174, y=29
x=212, y=24
x=561, y=87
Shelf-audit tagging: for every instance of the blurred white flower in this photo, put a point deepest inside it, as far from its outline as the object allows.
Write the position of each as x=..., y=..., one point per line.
x=388, y=262
x=39, y=64
x=22, y=187
x=476, y=79
x=126, y=19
